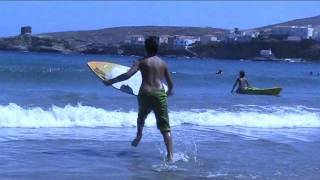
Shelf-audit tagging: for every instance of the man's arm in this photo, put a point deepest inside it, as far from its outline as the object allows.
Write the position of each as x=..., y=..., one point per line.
x=168, y=78
x=123, y=76
x=234, y=85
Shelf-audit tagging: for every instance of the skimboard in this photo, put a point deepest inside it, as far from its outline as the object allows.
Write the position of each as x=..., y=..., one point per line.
x=259, y=91
x=107, y=70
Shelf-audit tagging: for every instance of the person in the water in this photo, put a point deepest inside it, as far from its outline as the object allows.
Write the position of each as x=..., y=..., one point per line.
x=219, y=71
x=152, y=96
x=242, y=83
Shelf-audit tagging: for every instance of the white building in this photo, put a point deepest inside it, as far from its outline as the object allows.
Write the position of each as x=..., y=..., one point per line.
x=182, y=42
x=233, y=36
x=304, y=32
x=208, y=38
x=164, y=39
x=316, y=33
x=135, y=39
x=242, y=36
x=252, y=34
x=266, y=53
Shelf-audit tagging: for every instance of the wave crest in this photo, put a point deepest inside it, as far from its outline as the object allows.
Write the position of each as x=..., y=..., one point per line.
x=15, y=116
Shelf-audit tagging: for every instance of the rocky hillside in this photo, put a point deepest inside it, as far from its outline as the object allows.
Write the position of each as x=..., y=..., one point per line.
x=117, y=34
x=34, y=43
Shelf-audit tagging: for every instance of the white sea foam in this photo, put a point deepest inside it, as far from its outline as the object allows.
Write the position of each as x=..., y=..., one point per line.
x=13, y=115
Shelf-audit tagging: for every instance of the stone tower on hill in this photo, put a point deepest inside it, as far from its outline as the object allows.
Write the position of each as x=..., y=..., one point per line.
x=26, y=30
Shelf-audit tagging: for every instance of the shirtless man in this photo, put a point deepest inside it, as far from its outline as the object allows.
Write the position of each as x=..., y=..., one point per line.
x=242, y=83
x=152, y=96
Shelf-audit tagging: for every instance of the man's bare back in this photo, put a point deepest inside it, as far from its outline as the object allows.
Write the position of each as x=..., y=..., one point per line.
x=154, y=71
x=242, y=83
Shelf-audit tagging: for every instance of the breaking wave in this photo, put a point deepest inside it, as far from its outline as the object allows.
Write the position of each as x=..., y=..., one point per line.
x=15, y=116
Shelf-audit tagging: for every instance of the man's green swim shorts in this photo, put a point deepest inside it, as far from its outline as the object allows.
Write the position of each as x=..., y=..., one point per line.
x=157, y=102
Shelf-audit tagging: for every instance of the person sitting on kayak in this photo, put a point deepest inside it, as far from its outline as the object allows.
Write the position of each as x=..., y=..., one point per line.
x=242, y=83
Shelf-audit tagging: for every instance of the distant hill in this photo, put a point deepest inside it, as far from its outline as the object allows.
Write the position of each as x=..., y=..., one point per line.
x=101, y=42
x=314, y=21
x=115, y=35
x=118, y=34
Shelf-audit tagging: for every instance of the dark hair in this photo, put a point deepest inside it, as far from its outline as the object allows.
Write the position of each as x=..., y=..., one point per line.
x=151, y=45
x=242, y=74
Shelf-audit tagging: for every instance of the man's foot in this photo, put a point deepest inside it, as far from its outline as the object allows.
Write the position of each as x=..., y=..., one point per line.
x=169, y=158
x=136, y=141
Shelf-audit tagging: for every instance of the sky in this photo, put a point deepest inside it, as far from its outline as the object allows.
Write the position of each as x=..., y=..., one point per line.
x=56, y=16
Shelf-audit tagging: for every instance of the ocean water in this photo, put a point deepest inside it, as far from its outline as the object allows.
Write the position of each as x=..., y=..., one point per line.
x=58, y=121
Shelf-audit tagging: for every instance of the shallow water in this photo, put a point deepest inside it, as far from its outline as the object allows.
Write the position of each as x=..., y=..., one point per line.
x=58, y=121
x=200, y=153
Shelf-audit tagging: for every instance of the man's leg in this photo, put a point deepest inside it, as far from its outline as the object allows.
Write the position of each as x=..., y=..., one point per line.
x=140, y=124
x=162, y=116
x=144, y=110
x=168, y=141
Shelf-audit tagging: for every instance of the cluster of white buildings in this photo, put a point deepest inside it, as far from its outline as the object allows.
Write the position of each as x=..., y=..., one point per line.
x=289, y=33
x=293, y=33
x=241, y=36
x=134, y=39
x=182, y=42
x=175, y=42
